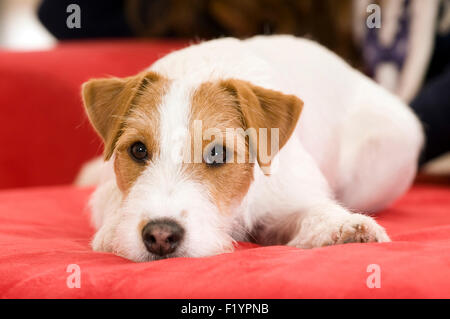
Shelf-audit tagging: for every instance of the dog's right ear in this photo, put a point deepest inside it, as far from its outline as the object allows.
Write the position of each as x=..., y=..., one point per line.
x=107, y=101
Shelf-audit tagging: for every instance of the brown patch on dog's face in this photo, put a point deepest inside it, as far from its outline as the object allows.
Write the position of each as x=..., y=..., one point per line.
x=125, y=111
x=235, y=104
x=261, y=109
x=141, y=125
x=229, y=182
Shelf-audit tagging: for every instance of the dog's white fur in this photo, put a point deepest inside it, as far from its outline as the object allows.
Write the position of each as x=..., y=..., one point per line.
x=355, y=148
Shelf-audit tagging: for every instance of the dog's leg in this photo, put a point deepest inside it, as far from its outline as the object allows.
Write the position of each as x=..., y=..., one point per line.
x=103, y=238
x=296, y=207
x=105, y=203
x=379, y=148
x=326, y=223
x=90, y=173
x=330, y=224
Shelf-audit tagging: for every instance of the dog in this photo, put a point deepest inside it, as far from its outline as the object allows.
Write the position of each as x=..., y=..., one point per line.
x=340, y=146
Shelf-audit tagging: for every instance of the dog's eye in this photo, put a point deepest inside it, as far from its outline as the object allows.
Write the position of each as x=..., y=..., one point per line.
x=138, y=152
x=216, y=156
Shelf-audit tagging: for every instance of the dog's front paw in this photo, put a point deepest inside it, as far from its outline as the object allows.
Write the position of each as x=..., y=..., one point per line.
x=357, y=229
x=351, y=228
x=102, y=240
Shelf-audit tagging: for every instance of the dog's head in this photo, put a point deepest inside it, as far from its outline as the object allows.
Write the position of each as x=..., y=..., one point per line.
x=184, y=157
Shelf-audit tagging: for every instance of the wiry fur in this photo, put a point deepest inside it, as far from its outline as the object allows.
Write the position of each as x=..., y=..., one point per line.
x=355, y=148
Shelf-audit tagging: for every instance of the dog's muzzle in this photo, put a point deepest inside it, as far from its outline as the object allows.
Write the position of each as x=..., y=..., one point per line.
x=162, y=236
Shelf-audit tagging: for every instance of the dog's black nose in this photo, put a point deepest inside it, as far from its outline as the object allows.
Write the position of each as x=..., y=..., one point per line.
x=162, y=237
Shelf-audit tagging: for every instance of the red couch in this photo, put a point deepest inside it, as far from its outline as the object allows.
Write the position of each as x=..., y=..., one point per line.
x=43, y=230
x=46, y=136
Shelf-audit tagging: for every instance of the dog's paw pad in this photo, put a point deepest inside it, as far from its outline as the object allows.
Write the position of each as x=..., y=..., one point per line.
x=358, y=233
x=365, y=230
x=350, y=228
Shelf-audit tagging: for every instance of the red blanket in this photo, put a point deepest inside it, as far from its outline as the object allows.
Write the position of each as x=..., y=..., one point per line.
x=45, y=230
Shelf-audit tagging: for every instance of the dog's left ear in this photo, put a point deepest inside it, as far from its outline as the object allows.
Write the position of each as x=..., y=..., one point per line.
x=108, y=100
x=263, y=108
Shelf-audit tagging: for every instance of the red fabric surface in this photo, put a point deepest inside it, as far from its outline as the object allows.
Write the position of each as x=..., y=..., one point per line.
x=45, y=134
x=44, y=230
x=46, y=138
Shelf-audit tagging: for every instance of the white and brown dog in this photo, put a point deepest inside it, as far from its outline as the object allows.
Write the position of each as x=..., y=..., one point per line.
x=172, y=185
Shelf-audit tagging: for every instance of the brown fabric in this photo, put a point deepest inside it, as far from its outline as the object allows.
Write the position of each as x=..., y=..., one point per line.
x=327, y=21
